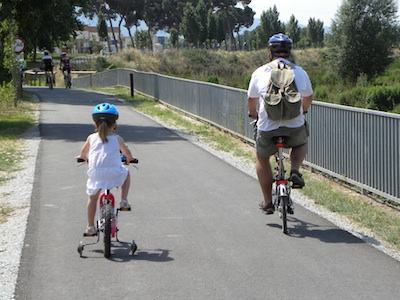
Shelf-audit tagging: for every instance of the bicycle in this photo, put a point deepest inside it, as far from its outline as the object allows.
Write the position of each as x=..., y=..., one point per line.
x=50, y=79
x=107, y=221
x=281, y=193
x=67, y=79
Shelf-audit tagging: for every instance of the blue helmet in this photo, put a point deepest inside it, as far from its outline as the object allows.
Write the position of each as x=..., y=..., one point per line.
x=105, y=111
x=280, y=45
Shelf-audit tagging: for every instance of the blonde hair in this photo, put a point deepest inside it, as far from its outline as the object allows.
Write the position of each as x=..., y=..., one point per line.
x=103, y=125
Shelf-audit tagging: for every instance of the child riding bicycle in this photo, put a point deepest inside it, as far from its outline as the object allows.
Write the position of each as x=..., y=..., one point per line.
x=102, y=152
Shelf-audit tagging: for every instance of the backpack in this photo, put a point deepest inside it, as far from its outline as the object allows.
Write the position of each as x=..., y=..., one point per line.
x=282, y=101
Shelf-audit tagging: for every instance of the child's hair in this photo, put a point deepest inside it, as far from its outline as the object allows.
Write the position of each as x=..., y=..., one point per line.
x=102, y=128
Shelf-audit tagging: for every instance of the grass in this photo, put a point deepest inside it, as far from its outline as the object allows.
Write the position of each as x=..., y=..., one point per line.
x=14, y=122
x=381, y=221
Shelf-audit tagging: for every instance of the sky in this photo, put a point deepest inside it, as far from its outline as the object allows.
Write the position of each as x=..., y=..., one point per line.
x=324, y=10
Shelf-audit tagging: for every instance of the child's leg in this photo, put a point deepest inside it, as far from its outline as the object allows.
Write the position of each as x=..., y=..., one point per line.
x=125, y=187
x=91, y=208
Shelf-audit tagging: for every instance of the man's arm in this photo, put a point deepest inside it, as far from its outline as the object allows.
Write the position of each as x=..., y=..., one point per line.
x=306, y=103
x=252, y=107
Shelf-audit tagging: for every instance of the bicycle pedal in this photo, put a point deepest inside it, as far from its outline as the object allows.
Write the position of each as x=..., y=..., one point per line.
x=124, y=209
x=89, y=234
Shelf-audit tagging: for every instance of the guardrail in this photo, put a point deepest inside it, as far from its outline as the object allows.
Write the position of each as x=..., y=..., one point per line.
x=358, y=146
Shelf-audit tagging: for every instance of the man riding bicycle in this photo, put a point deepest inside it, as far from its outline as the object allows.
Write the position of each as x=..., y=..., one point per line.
x=65, y=63
x=47, y=64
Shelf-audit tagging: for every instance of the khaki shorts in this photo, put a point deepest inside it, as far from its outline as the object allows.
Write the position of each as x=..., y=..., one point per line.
x=266, y=147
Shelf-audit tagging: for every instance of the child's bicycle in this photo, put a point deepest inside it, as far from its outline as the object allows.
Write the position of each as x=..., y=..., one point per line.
x=107, y=221
x=281, y=189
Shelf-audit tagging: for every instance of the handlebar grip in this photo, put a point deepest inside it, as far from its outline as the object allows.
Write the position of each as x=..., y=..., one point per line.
x=80, y=160
x=134, y=161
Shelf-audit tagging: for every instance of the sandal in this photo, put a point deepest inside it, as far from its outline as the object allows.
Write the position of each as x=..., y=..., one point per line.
x=297, y=179
x=268, y=208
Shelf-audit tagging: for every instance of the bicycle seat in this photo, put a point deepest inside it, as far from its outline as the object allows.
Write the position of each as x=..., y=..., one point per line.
x=284, y=139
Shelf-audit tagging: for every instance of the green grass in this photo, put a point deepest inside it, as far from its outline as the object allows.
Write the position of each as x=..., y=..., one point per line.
x=383, y=223
x=14, y=122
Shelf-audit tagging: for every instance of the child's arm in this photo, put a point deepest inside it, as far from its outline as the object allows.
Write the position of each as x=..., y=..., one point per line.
x=124, y=149
x=85, y=149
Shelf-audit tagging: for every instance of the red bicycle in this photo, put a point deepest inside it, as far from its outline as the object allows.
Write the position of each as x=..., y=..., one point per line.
x=107, y=222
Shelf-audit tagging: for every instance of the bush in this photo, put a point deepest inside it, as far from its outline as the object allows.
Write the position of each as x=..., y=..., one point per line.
x=213, y=79
x=355, y=97
x=383, y=98
x=320, y=92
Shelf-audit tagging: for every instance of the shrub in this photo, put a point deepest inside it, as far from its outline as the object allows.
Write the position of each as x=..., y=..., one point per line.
x=320, y=92
x=383, y=98
x=213, y=79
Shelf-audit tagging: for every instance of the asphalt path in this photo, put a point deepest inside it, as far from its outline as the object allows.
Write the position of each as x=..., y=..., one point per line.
x=195, y=219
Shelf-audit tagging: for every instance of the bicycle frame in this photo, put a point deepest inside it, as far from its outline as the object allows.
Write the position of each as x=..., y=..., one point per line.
x=67, y=79
x=282, y=201
x=49, y=79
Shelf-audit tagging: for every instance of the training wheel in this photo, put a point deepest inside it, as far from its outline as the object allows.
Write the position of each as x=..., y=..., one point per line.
x=133, y=247
x=80, y=248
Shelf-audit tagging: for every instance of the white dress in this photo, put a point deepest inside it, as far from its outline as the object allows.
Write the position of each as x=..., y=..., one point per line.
x=105, y=168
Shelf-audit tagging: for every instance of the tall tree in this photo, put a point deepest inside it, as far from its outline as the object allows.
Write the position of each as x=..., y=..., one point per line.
x=191, y=26
x=293, y=29
x=269, y=25
x=363, y=35
x=315, y=32
x=236, y=14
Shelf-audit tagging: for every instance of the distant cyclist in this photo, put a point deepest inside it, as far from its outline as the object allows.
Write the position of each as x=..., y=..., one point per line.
x=65, y=63
x=47, y=64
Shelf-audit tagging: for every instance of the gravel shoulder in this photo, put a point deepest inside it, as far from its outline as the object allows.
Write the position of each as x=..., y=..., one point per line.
x=16, y=193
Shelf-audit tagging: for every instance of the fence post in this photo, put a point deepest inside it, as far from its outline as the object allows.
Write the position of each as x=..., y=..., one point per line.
x=132, y=86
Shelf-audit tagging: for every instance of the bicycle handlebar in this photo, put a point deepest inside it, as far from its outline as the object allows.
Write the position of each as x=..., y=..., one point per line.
x=134, y=161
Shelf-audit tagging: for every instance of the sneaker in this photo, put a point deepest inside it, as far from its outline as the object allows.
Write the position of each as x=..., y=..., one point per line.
x=90, y=231
x=124, y=205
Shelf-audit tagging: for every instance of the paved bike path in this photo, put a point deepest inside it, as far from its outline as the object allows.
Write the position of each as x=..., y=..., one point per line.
x=195, y=219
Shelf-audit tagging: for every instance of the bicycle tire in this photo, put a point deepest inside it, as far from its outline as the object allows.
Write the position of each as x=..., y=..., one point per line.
x=50, y=81
x=284, y=203
x=107, y=231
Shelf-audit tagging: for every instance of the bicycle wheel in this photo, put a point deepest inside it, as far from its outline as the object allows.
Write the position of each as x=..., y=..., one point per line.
x=50, y=81
x=107, y=231
x=284, y=203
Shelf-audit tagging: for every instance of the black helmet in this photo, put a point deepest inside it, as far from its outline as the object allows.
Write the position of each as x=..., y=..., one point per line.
x=280, y=45
x=105, y=111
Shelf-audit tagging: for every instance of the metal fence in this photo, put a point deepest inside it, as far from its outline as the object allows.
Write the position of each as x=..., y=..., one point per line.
x=358, y=146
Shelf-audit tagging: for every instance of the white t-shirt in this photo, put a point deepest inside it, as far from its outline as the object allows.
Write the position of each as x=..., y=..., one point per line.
x=258, y=87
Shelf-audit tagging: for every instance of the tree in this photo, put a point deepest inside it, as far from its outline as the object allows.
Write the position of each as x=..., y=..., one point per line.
x=102, y=29
x=315, y=32
x=293, y=29
x=236, y=14
x=269, y=25
x=191, y=26
x=201, y=11
x=363, y=34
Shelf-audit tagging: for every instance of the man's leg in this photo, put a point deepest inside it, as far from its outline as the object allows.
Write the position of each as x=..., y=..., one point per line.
x=297, y=155
x=264, y=174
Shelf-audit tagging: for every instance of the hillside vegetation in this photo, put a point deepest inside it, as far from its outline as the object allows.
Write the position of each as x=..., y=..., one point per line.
x=234, y=69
